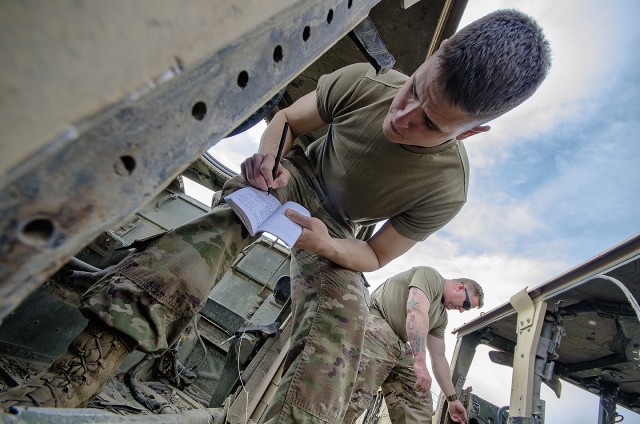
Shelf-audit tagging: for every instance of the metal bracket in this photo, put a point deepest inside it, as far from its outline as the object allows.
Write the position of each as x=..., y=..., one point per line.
x=522, y=420
x=368, y=40
x=525, y=307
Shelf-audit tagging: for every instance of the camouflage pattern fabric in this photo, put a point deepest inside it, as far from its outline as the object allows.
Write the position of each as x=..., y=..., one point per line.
x=405, y=403
x=388, y=363
x=152, y=295
x=329, y=312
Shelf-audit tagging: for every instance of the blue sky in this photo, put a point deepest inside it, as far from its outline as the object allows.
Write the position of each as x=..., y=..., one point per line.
x=565, y=160
x=554, y=183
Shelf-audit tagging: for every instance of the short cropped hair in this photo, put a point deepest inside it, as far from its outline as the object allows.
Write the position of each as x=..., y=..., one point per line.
x=474, y=288
x=493, y=64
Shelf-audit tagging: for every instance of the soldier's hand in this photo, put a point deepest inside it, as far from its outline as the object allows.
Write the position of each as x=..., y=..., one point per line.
x=315, y=235
x=423, y=378
x=257, y=170
x=457, y=411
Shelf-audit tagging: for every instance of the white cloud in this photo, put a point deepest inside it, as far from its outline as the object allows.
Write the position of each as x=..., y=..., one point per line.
x=501, y=275
x=493, y=222
x=577, y=72
x=232, y=151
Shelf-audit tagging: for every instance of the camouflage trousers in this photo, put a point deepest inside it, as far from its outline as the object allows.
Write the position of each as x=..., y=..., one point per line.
x=153, y=294
x=387, y=362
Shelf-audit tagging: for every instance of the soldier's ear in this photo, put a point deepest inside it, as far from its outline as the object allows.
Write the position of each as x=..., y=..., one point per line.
x=473, y=131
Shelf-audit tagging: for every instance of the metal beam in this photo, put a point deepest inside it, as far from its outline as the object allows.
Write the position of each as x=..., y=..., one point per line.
x=101, y=170
x=461, y=361
x=524, y=402
x=603, y=263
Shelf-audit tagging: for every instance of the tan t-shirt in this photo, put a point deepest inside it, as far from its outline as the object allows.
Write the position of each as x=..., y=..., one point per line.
x=391, y=300
x=368, y=179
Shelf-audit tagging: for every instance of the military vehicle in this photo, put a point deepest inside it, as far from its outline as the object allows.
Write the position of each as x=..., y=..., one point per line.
x=107, y=107
x=581, y=327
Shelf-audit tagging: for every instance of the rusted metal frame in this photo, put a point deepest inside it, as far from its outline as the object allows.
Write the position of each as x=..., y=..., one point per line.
x=105, y=168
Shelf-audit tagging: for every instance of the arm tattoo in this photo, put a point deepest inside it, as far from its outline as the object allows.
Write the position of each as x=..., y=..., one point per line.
x=412, y=303
x=417, y=339
x=417, y=343
x=411, y=323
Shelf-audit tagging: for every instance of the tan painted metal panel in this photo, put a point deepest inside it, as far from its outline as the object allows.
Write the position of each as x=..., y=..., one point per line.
x=65, y=60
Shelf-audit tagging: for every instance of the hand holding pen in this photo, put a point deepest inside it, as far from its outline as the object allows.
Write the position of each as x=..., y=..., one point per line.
x=283, y=139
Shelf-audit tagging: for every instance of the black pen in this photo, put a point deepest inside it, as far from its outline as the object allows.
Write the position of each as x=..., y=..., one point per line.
x=283, y=139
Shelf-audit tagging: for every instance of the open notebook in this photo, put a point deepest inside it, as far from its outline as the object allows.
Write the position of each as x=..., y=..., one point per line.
x=262, y=212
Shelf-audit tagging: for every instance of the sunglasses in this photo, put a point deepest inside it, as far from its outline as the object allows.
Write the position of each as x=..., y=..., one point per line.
x=467, y=303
